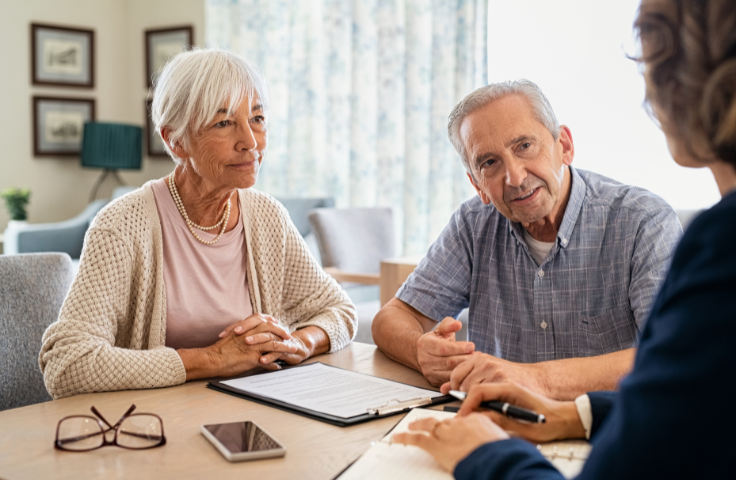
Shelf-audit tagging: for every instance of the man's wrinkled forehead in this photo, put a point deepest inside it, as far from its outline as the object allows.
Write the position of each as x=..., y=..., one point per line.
x=504, y=122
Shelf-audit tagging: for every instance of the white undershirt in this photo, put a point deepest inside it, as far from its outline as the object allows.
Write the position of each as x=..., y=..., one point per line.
x=539, y=250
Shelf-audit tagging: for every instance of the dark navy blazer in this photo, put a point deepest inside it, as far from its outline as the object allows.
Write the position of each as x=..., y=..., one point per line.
x=675, y=414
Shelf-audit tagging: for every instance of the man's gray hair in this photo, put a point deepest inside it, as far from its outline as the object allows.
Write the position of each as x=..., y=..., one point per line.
x=195, y=84
x=485, y=95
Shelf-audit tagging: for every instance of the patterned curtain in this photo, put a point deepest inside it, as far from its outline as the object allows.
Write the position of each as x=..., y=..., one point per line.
x=360, y=94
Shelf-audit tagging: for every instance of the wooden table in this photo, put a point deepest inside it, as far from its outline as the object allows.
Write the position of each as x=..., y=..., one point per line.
x=314, y=450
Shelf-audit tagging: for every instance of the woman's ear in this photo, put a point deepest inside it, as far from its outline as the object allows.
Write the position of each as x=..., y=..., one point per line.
x=175, y=146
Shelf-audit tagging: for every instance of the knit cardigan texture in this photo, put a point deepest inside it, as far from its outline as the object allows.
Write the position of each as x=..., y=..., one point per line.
x=111, y=331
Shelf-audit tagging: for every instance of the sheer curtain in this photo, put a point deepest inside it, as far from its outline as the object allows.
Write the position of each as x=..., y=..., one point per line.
x=360, y=94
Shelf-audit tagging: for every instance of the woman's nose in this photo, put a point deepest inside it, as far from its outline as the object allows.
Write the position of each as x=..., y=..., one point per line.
x=246, y=140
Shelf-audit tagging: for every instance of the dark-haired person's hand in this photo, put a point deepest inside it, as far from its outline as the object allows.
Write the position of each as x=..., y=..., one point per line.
x=450, y=441
x=562, y=419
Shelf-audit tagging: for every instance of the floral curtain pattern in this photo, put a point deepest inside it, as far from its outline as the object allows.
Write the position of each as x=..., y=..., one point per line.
x=360, y=93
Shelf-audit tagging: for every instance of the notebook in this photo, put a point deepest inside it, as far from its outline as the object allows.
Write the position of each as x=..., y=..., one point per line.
x=388, y=461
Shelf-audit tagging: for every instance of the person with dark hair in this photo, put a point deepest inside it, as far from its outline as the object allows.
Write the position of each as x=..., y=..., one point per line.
x=672, y=417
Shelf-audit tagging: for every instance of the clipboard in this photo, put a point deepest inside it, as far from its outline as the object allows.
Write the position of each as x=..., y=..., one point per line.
x=378, y=411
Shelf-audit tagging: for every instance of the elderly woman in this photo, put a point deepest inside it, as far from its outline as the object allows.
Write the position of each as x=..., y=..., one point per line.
x=196, y=274
x=673, y=415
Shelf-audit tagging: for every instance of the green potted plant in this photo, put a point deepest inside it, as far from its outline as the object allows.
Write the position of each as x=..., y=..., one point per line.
x=16, y=200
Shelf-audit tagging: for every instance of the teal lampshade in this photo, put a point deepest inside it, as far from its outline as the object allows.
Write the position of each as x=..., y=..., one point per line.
x=112, y=146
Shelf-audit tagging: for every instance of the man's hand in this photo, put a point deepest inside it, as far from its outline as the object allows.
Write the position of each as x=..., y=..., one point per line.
x=484, y=368
x=562, y=419
x=438, y=353
x=451, y=440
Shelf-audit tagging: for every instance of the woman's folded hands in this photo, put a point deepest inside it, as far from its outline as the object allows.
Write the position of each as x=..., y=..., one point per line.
x=244, y=345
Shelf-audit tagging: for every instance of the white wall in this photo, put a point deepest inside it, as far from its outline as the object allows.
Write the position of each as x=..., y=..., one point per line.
x=575, y=50
x=60, y=188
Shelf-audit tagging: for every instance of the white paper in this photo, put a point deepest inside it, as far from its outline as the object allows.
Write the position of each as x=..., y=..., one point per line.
x=388, y=461
x=329, y=390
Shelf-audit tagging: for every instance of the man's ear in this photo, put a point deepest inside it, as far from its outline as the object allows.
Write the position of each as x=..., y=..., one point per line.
x=483, y=197
x=175, y=147
x=568, y=148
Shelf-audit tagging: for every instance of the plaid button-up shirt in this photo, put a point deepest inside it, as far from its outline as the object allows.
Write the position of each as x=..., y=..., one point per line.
x=590, y=296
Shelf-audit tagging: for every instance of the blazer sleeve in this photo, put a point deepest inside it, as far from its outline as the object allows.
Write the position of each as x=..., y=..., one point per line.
x=600, y=405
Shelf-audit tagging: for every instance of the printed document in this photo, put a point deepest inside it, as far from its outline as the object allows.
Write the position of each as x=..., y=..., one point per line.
x=329, y=390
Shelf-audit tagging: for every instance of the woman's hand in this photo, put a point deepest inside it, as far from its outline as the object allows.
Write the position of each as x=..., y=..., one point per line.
x=562, y=418
x=258, y=334
x=309, y=341
x=233, y=355
x=451, y=440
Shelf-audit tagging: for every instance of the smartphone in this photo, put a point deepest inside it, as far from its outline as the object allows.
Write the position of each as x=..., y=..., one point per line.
x=241, y=441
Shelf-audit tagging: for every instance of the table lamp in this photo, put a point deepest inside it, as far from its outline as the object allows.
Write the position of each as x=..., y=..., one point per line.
x=111, y=146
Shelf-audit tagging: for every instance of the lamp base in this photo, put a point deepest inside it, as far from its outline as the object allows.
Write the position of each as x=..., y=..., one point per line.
x=105, y=173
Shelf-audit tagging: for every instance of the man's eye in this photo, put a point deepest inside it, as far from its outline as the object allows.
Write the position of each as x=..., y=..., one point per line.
x=525, y=145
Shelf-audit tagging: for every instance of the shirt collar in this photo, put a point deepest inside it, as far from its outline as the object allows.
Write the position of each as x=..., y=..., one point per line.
x=574, y=205
x=572, y=212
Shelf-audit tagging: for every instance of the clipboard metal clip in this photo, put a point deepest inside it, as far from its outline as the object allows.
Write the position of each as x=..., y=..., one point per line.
x=395, y=405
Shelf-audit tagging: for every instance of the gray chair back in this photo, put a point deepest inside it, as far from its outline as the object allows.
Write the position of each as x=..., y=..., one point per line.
x=32, y=288
x=354, y=239
x=299, y=208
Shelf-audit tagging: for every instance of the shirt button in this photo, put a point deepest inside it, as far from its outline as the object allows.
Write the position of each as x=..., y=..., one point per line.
x=540, y=273
x=564, y=241
x=543, y=325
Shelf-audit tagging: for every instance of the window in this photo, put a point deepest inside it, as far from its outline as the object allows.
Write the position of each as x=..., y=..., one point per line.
x=575, y=50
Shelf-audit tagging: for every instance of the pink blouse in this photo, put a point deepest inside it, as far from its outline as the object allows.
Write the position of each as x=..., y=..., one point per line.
x=206, y=285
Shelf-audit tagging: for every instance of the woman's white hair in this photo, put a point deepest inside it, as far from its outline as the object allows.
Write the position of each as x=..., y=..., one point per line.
x=484, y=95
x=195, y=84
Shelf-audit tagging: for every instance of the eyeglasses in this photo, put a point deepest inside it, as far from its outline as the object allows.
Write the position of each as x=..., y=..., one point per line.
x=137, y=431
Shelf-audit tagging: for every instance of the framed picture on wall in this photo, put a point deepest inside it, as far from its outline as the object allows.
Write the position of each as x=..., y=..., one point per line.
x=162, y=44
x=154, y=141
x=62, y=56
x=58, y=124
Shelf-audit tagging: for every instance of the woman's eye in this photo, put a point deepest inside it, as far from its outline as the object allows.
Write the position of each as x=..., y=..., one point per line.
x=222, y=124
x=259, y=119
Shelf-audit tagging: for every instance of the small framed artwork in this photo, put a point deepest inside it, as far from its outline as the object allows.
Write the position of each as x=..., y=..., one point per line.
x=58, y=124
x=155, y=143
x=62, y=56
x=162, y=44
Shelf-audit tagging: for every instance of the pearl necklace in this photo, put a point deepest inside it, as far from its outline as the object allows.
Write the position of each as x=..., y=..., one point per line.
x=191, y=224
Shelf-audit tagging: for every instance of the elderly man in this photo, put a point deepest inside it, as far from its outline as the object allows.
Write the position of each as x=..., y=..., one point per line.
x=558, y=266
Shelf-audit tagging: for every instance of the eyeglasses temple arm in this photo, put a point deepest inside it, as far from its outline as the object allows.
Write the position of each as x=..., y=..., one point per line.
x=96, y=412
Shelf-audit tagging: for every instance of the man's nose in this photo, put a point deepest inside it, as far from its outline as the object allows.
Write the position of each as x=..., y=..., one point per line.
x=515, y=172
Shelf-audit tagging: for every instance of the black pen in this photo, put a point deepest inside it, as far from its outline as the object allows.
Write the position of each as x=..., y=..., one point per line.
x=511, y=411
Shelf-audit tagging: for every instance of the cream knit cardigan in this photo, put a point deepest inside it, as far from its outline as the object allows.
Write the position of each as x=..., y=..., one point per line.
x=111, y=331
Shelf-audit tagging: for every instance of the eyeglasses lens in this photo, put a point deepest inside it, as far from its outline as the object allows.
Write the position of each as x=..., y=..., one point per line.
x=140, y=431
x=80, y=433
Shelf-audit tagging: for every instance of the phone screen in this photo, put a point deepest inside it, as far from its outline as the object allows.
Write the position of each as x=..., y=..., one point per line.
x=240, y=437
